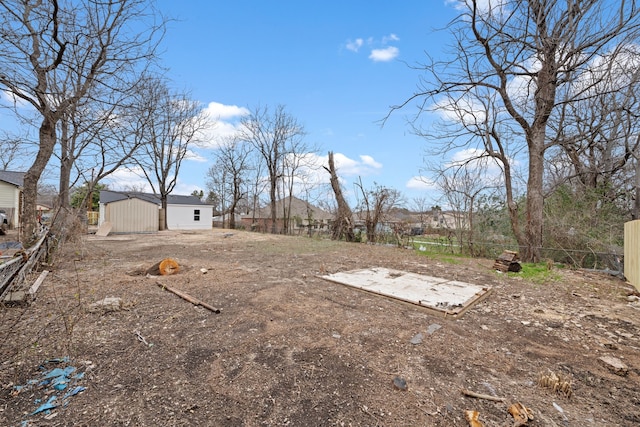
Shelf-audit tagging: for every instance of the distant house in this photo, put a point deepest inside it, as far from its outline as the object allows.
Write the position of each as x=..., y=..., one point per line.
x=302, y=216
x=134, y=212
x=11, y=184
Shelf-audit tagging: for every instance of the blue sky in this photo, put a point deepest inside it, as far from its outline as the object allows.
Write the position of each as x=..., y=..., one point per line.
x=337, y=67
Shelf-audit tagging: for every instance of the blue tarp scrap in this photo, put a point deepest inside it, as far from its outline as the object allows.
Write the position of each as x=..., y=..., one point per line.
x=53, y=381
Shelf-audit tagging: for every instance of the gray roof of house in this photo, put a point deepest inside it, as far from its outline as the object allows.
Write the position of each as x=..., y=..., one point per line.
x=108, y=196
x=299, y=208
x=15, y=178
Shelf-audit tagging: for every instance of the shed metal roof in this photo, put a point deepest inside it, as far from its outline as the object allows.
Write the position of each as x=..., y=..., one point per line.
x=108, y=196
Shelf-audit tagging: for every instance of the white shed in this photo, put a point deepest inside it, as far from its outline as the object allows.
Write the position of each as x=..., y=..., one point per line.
x=10, y=190
x=133, y=212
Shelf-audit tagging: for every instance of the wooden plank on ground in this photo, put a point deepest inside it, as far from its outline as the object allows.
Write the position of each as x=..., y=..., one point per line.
x=104, y=229
x=36, y=285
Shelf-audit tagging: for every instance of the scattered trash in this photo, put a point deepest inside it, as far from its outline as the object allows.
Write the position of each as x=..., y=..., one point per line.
x=559, y=409
x=336, y=335
x=558, y=383
x=51, y=383
x=165, y=267
x=432, y=328
x=521, y=414
x=472, y=418
x=400, y=384
x=204, y=271
x=614, y=364
x=106, y=305
x=142, y=339
x=47, y=406
x=422, y=248
x=417, y=338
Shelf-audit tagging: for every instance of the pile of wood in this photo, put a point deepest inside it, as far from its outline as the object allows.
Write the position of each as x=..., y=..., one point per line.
x=508, y=261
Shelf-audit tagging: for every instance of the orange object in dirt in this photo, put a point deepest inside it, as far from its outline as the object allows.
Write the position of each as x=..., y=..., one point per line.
x=165, y=267
x=168, y=266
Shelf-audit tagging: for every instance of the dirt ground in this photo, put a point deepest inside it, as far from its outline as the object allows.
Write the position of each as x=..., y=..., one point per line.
x=290, y=348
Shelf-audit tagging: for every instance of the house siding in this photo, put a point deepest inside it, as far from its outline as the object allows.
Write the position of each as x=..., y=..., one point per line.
x=132, y=216
x=181, y=217
x=10, y=201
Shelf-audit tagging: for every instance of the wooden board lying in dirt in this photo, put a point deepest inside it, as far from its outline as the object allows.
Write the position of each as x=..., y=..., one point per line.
x=448, y=297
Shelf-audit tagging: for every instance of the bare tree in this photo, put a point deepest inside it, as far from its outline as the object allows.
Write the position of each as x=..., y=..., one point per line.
x=527, y=54
x=97, y=138
x=462, y=183
x=374, y=205
x=229, y=175
x=599, y=135
x=13, y=151
x=88, y=43
x=171, y=124
x=343, y=223
x=420, y=205
x=297, y=168
x=273, y=136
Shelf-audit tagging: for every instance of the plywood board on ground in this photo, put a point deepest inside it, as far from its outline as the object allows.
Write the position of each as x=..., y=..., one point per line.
x=448, y=297
x=104, y=229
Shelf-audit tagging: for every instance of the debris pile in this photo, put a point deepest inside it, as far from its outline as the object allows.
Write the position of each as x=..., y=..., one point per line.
x=508, y=261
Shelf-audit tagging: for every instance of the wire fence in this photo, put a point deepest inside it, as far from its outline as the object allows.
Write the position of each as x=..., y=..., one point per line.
x=593, y=259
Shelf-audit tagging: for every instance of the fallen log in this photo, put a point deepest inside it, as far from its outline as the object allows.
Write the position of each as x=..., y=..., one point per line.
x=189, y=298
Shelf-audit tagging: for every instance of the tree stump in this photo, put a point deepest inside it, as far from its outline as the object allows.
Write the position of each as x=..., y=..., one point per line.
x=165, y=267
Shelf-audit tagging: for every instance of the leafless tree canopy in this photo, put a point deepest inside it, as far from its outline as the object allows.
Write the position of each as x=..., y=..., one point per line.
x=514, y=65
x=55, y=54
x=169, y=124
x=275, y=135
x=229, y=176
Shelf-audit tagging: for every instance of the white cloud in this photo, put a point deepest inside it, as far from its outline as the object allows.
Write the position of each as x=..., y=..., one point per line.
x=195, y=157
x=223, y=123
x=354, y=45
x=380, y=51
x=218, y=111
x=384, y=55
x=350, y=167
x=370, y=161
x=8, y=97
x=421, y=183
x=391, y=37
x=128, y=179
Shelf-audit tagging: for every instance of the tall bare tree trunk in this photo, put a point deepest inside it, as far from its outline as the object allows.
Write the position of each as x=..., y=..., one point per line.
x=343, y=223
x=47, y=135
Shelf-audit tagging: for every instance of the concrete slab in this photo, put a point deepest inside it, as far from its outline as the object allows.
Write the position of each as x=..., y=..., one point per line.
x=448, y=297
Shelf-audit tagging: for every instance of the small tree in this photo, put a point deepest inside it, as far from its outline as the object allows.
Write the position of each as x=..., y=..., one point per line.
x=374, y=205
x=229, y=175
x=171, y=124
x=273, y=136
